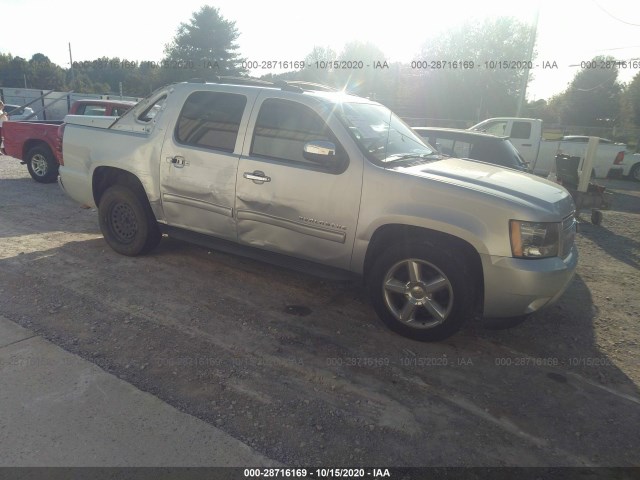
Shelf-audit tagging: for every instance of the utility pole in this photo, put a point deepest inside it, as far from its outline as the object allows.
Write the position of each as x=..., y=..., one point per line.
x=73, y=77
x=525, y=77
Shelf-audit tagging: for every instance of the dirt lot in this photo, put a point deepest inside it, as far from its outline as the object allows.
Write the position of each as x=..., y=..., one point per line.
x=301, y=368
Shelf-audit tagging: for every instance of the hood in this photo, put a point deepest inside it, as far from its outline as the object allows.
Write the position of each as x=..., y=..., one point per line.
x=523, y=188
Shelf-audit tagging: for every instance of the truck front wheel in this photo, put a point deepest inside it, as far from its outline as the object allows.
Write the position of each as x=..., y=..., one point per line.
x=42, y=165
x=422, y=291
x=127, y=222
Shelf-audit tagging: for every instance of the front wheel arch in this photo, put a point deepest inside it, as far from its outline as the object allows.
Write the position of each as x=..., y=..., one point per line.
x=389, y=235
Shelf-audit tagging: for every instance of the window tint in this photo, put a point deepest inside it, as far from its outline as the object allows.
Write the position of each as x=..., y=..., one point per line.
x=491, y=152
x=450, y=147
x=521, y=130
x=211, y=120
x=462, y=149
x=501, y=153
x=442, y=145
x=282, y=129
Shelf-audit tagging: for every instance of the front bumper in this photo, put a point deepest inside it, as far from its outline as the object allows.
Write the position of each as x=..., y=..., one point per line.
x=515, y=286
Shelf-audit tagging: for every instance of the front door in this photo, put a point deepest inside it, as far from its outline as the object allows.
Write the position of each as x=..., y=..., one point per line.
x=289, y=203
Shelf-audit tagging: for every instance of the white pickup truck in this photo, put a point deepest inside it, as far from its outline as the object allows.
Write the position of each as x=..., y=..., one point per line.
x=526, y=135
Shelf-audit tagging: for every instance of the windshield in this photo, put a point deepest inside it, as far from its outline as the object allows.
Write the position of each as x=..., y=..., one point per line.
x=380, y=134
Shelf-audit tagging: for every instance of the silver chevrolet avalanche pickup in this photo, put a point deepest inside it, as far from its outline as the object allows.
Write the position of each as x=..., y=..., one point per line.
x=294, y=172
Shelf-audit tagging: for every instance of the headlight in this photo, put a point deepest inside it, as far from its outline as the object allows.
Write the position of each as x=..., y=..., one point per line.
x=534, y=240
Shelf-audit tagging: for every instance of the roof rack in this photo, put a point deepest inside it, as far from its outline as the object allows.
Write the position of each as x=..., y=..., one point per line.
x=312, y=86
x=297, y=86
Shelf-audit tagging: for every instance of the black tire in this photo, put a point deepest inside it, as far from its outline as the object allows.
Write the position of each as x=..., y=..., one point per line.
x=634, y=174
x=42, y=165
x=454, y=298
x=127, y=222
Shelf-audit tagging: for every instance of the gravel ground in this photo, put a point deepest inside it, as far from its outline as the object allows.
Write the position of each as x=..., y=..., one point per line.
x=302, y=370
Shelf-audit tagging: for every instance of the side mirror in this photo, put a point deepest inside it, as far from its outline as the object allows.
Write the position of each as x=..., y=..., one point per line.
x=319, y=150
x=323, y=153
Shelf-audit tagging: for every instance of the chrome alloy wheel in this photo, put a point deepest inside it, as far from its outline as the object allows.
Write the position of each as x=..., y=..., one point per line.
x=417, y=293
x=39, y=165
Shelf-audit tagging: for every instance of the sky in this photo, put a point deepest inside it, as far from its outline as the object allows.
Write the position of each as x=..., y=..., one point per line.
x=568, y=33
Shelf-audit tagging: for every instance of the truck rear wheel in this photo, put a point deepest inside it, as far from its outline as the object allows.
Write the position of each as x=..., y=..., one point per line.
x=127, y=222
x=422, y=291
x=42, y=165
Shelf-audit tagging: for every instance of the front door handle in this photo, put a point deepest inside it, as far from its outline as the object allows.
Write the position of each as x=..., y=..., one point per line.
x=257, y=177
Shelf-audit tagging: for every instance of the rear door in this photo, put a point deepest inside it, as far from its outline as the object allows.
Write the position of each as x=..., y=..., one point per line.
x=287, y=203
x=200, y=159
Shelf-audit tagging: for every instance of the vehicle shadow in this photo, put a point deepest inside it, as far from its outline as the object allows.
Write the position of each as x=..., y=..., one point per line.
x=620, y=184
x=140, y=318
x=564, y=331
x=624, y=202
x=620, y=247
x=31, y=208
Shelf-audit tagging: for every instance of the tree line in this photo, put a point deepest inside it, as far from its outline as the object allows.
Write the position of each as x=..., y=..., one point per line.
x=450, y=78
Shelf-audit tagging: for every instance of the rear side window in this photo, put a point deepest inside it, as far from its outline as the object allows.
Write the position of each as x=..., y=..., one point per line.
x=282, y=129
x=521, y=130
x=211, y=120
x=461, y=149
x=92, y=110
x=451, y=147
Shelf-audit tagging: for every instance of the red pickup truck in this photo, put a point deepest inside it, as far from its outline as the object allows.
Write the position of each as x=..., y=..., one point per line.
x=39, y=144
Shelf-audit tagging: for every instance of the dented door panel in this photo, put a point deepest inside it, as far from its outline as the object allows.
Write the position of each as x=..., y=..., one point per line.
x=301, y=210
x=200, y=162
x=200, y=195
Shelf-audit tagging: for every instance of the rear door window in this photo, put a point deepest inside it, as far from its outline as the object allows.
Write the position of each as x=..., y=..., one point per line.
x=521, y=130
x=94, y=110
x=451, y=147
x=211, y=120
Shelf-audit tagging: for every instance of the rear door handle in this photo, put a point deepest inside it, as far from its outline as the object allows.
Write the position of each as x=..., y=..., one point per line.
x=178, y=161
x=257, y=177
